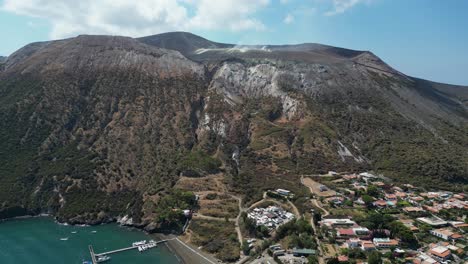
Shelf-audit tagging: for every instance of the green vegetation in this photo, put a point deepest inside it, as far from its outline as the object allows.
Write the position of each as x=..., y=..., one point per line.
x=379, y=221
x=169, y=209
x=374, y=258
x=211, y=196
x=299, y=233
x=198, y=163
x=276, y=196
x=216, y=237
x=252, y=229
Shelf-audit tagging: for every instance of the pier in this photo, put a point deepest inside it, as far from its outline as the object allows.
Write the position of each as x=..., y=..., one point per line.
x=95, y=255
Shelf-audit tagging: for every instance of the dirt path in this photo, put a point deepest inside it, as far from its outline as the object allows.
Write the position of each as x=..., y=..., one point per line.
x=317, y=240
x=295, y=210
x=317, y=204
x=207, y=217
x=239, y=233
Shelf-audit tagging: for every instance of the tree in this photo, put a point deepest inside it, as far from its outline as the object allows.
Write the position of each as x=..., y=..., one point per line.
x=367, y=199
x=317, y=217
x=374, y=258
x=372, y=191
x=245, y=247
x=313, y=259
x=333, y=261
x=348, y=203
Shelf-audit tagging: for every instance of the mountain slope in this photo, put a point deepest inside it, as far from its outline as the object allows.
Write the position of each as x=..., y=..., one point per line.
x=87, y=120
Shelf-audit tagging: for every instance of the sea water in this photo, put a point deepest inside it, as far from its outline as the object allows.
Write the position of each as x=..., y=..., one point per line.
x=40, y=240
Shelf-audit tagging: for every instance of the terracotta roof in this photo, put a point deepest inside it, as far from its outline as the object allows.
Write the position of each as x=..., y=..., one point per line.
x=343, y=258
x=368, y=244
x=345, y=231
x=440, y=251
x=412, y=209
x=380, y=203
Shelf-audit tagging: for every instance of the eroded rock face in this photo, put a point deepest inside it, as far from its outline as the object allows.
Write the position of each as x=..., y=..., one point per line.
x=237, y=82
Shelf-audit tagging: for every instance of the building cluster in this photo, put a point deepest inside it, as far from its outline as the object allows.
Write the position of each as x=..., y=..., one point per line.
x=271, y=216
x=352, y=236
x=442, y=238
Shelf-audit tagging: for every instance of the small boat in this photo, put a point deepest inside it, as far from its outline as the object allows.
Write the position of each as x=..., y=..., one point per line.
x=102, y=258
x=64, y=238
x=94, y=231
x=139, y=243
x=87, y=262
x=74, y=232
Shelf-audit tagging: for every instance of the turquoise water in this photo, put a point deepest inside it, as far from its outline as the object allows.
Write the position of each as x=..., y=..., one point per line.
x=37, y=241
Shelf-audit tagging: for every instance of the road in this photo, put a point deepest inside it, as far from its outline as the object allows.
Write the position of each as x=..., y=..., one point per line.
x=186, y=253
x=241, y=209
x=317, y=240
x=264, y=259
x=207, y=217
x=266, y=199
x=317, y=204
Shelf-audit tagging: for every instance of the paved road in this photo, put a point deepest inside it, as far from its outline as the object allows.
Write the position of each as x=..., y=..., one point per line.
x=187, y=254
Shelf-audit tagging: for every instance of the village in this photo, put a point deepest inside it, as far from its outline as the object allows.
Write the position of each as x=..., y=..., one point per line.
x=364, y=218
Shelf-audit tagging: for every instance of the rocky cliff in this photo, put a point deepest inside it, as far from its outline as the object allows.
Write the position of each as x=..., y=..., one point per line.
x=93, y=128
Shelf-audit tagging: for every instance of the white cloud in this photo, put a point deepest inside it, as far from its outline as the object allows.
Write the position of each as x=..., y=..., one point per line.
x=341, y=6
x=288, y=19
x=227, y=14
x=140, y=17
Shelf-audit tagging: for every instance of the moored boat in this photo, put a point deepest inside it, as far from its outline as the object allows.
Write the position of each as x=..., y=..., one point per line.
x=102, y=258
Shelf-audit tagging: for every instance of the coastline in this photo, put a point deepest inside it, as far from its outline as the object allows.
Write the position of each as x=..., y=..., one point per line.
x=185, y=254
x=26, y=217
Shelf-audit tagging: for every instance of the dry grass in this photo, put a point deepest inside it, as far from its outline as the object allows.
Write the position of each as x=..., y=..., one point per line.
x=211, y=183
x=223, y=206
x=331, y=250
x=315, y=188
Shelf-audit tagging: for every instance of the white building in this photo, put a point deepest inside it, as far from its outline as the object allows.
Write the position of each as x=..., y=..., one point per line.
x=283, y=192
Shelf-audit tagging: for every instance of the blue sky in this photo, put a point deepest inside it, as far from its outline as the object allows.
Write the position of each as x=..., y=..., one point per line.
x=422, y=38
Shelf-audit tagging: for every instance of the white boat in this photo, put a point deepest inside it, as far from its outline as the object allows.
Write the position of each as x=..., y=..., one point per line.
x=139, y=243
x=94, y=231
x=64, y=238
x=140, y=249
x=74, y=232
x=102, y=258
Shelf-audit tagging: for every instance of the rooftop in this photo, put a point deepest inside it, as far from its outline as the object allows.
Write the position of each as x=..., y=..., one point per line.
x=433, y=220
x=440, y=251
x=305, y=251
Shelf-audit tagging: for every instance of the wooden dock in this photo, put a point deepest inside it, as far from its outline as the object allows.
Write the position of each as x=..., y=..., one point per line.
x=94, y=255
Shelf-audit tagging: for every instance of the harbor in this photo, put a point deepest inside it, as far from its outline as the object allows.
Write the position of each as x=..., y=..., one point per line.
x=104, y=256
x=40, y=240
